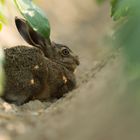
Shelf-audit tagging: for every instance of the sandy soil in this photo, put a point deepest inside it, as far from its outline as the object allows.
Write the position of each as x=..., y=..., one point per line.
x=92, y=111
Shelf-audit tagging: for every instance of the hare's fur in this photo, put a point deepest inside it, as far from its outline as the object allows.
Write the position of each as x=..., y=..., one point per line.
x=39, y=72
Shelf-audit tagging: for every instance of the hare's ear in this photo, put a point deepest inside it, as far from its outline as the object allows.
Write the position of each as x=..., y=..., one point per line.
x=29, y=35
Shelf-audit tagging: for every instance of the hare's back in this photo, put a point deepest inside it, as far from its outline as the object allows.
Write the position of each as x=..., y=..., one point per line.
x=22, y=57
x=22, y=64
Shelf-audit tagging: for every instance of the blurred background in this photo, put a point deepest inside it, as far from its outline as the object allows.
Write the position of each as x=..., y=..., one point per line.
x=77, y=23
x=81, y=25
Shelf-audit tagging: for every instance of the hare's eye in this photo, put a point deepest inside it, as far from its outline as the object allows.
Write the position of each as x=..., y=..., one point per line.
x=65, y=52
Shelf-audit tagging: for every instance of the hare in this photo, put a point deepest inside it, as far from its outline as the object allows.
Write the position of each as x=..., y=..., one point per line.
x=44, y=71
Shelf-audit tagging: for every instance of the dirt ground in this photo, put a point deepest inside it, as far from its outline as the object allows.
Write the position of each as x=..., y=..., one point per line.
x=92, y=111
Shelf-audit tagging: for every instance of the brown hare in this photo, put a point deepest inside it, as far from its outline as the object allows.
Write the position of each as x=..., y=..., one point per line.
x=44, y=71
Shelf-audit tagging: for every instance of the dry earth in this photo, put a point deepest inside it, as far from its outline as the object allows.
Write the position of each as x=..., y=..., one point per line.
x=93, y=111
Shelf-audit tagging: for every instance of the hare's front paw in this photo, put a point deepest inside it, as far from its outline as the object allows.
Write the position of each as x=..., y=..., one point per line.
x=65, y=88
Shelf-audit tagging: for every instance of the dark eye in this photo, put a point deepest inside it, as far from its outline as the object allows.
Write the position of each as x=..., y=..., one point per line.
x=65, y=52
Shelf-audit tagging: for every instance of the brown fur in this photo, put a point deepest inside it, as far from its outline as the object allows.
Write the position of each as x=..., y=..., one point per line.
x=33, y=73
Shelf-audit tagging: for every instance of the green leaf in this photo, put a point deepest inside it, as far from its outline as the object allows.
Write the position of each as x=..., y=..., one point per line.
x=2, y=1
x=127, y=36
x=120, y=8
x=2, y=75
x=100, y=1
x=0, y=26
x=34, y=16
x=2, y=18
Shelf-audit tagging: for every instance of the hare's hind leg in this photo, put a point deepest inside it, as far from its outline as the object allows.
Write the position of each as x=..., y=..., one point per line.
x=19, y=95
x=17, y=99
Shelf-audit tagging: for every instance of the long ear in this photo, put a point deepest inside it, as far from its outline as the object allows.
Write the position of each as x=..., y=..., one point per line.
x=29, y=35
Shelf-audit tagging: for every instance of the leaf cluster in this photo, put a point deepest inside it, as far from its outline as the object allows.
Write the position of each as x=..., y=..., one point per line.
x=2, y=17
x=127, y=37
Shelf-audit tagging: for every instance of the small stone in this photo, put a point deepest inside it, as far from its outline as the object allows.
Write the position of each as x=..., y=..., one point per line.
x=7, y=106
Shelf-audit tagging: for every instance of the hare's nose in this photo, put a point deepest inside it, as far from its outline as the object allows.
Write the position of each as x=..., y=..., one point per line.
x=77, y=60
